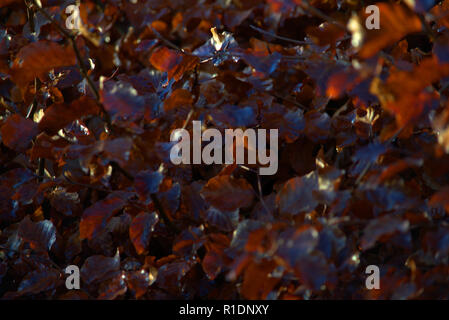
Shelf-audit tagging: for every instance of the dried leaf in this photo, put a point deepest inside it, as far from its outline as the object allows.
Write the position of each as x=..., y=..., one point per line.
x=227, y=193
x=17, y=132
x=96, y=217
x=140, y=230
x=38, y=58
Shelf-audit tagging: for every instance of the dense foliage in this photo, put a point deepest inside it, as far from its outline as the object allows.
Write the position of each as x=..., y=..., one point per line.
x=86, y=179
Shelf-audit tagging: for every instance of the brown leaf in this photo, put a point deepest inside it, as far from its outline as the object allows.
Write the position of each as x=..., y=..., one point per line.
x=139, y=281
x=164, y=59
x=148, y=182
x=141, y=228
x=59, y=115
x=5, y=3
x=296, y=196
x=122, y=101
x=175, y=64
x=179, y=98
x=41, y=235
x=441, y=198
x=227, y=193
x=96, y=217
x=257, y=283
x=99, y=268
x=38, y=58
x=380, y=227
x=212, y=263
x=17, y=132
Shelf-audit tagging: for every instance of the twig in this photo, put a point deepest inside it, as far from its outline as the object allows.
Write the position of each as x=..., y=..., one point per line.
x=85, y=185
x=41, y=169
x=168, y=42
x=296, y=103
x=362, y=174
x=30, y=16
x=82, y=66
x=427, y=28
x=278, y=37
x=262, y=201
x=314, y=11
x=246, y=168
x=186, y=122
x=396, y=134
x=33, y=106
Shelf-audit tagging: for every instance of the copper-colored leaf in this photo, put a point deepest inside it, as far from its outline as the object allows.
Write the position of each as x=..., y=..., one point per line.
x=98, y=268
x=175, y=64
x=98, y=215
x=140, y=230
x=38, y=58
x=59, y=115
x=227, y=193
x=40, y=235
x=179, y=98
x=296, y=195
x=17, y=132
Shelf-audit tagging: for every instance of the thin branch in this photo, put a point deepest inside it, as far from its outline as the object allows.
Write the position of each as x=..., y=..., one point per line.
x=41, y=169
x=262, y=201
x=168, y=42
x=246, y=168
x=427, y=28
x=83, y=70
x=189, y=116
x=271, y=34
x=314, y=11
x=296, y=103
x=30, y=15
x=81, y=64
x=85, y=185
x=362, y=174
x=33, y=106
